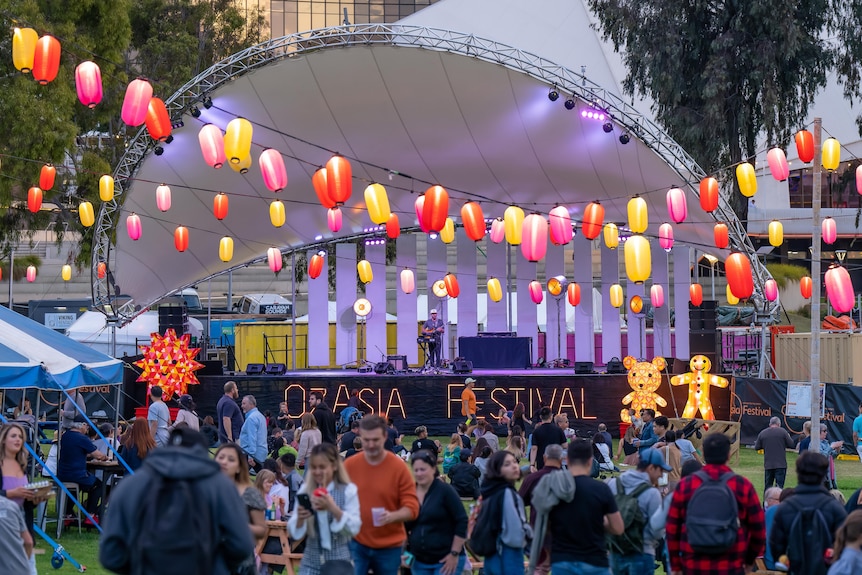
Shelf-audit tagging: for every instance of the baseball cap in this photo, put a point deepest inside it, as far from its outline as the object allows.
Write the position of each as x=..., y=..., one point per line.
x=652, y=456
x=433, y=311
x=469, y=380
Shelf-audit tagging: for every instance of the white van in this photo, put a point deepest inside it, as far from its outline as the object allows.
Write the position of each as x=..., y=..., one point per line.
x=264, y=304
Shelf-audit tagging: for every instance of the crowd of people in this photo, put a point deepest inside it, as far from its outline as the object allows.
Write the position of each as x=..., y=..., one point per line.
x=352, y=505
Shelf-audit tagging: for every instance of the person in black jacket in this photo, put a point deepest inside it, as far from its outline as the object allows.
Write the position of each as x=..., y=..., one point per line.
x=324, y=417
x=464, y=476
x=438, y=534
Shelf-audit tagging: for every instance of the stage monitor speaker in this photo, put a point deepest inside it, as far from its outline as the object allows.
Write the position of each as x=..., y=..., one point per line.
x=382, y=367
x=173, y=317
x=211, y=368
x=254, y=369
x=583, y=367
x=615, y=366
x=398, y=362
x=275, y=369
x=365, y=369
x=462, y=366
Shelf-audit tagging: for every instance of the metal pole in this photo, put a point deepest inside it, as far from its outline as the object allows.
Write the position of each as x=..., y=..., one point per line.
x=815, y=291
x=229, y=302
x=209, y=312
x=508, y=284
x=293, y=308
x=11, y=274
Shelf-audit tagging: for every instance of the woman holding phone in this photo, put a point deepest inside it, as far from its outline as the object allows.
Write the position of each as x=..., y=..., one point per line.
x=326, y=510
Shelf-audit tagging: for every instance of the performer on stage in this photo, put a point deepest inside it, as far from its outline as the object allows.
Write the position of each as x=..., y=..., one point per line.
x=434, y=327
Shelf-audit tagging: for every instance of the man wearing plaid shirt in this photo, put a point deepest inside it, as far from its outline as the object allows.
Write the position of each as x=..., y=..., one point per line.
x=751, y=537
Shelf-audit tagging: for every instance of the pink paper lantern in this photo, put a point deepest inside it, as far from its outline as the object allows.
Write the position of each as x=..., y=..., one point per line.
x=665, y=237
x=273, y=258
x=829, y=230
x=31, y=274
x=133, y=226
x=560, y=226
x=272, y=169
x=676, y=205
x=656, y=295
x=534, y=237
x=136, y=102
x=408, y=281
x=498, y=231
x=88, y=83
x=419, y=206
x=778, y=164
x=211, y=140
x=770, y=290
x=333, y=219
x=859, y=179
x=839, y=289
x=536, y=293
x=163, y=198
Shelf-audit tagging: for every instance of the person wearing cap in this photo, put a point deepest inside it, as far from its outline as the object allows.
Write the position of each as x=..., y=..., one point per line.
x=468, y=401
x=434, y=328
x=650, y=468
x=159, y=417
x=75, y=449
x=187, y=413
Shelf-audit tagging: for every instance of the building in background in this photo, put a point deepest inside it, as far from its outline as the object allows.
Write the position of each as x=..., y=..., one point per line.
x=291, y=16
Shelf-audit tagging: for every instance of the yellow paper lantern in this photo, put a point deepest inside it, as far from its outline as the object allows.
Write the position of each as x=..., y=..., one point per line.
x=616, y=295
x=106, y=188
x=513, y=222
x=747, y=179
x=85, y=212
x=276, y=213
x=612, y=235
x=831, y=154
x=242, y=166
x=365, y=272
x=495, y=290
x=66, y=273
x=776, y=233
x=447, y=234
x=24, y=48
x=225, y=249
x=377, y=202
x=637, y=210
x=638, y=259
x=237, y=140
x=731, y=299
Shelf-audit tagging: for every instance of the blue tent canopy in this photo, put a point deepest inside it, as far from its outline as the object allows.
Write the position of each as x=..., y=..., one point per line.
x=32, y=355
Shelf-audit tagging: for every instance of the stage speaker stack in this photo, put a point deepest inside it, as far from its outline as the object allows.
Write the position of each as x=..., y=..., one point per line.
x=583, y=367
x=703, y=336
x=173, y=315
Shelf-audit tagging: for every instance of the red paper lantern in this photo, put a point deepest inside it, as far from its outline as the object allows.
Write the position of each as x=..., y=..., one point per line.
x=720, y=233
x=534, y=237
x=181, y=238
x=560, y=225
x=321, y=188
x=333, y=219
x=709, y=194
x=31, y=273
x=435, y=209
x=46, y=62
x=34, y=199
x=498, y=230
x=315, y=266
x=839, y=289
x=452, y=287
x=806, y=286
x=157, y=120
x=805, y=145
x=473, y=221
x=273, y=258
x=778, y=164
x=136, y=102
x=47, y=176
x=737, y=267
x=676, y=205
x=101, y=270
x=393, y=227
x=573, y=292
x=829, y=230
x=536, y=293
x=273, y=171
x=133, y=226
x=594, y=216
x=211, y=141
x=220, y=205
x=339, y=179
x=88, y=83
x=695, y=294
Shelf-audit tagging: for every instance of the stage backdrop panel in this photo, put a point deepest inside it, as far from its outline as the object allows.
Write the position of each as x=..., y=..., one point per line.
x=437, y=253
x=681, y=282
x=498, y=318
x=661, y=316
x=585, y=349
x=345, y=296
x=611, y=336
x=375, y=340
x=318, y=316
x=406, y=303
x=468, y=312
x=527, y=311
x=555, y=328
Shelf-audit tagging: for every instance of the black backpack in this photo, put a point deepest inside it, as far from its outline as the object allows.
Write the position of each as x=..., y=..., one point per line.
x=631, y=540
x=807, y=541
x=174, y=531
x=712, y=516
x=485, y=524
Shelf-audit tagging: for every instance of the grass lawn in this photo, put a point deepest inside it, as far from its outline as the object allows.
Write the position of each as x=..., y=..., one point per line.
x=85, y=547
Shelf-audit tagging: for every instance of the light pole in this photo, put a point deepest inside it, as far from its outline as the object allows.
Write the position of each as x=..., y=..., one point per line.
x=817, y=173
x=712, y=261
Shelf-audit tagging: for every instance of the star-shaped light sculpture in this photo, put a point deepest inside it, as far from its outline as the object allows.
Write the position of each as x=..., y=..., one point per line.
x=169, y=363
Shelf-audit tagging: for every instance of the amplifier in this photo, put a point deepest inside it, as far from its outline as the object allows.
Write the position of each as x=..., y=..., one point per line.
x=495, y=334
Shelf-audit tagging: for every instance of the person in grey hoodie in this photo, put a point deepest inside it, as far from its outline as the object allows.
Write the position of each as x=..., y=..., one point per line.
x=649, y=470
x=498, y=492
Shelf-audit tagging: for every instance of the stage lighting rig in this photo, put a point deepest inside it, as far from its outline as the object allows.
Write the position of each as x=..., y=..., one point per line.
x=196, y=112
x=608, y=127
x=208, y=102
x=553, y=95
x=570, y=103
x=625, y=138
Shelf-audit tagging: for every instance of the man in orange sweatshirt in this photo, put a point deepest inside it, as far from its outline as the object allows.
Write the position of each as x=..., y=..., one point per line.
x=387, y=499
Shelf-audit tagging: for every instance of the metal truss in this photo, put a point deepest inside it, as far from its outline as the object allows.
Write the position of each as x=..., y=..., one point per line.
x=286, y=47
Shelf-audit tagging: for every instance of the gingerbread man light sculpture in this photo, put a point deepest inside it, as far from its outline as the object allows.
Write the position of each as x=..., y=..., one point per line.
x=644, y=378
x=699, y=381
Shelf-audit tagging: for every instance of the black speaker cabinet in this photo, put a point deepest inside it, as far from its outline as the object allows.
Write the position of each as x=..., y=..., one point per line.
x=383, y=367
x=462, y=366
x=211, y=368
x=398, y=362
x=173, y=317
x=583, y=367
x=275, y=369
x=254, y=369
x=615, y=366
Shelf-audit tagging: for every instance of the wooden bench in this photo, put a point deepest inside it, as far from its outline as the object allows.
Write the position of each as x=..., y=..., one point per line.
x=288, y=558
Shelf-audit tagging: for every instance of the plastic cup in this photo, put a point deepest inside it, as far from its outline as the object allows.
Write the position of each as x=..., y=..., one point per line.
x=377, y=515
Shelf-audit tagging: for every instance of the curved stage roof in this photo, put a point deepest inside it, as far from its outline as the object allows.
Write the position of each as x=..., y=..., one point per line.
x=470, y=114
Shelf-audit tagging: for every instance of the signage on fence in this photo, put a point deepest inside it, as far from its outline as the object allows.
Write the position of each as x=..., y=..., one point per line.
x=799, y=399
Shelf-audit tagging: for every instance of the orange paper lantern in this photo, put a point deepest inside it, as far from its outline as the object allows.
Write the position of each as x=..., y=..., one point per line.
x=181, y=238
x=321, y=188
x=158, y=122
x=709, y=194
x=695, y=294
x=315, y=266
x=594, y=216
x=805, y=145
x=46, y=176
x=34, y=199
x=339, y=180
x=805, y=287
x=739, y=278
x=473, y=221
x=435, y=209
x=46, y=61
x=573, y=292
x=393, y=227
x=452, y=287
x=720, y=233
x=220, y=206
x=101, y=270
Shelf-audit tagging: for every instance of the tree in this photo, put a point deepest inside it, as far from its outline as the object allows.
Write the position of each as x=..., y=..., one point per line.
x=723, y=73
